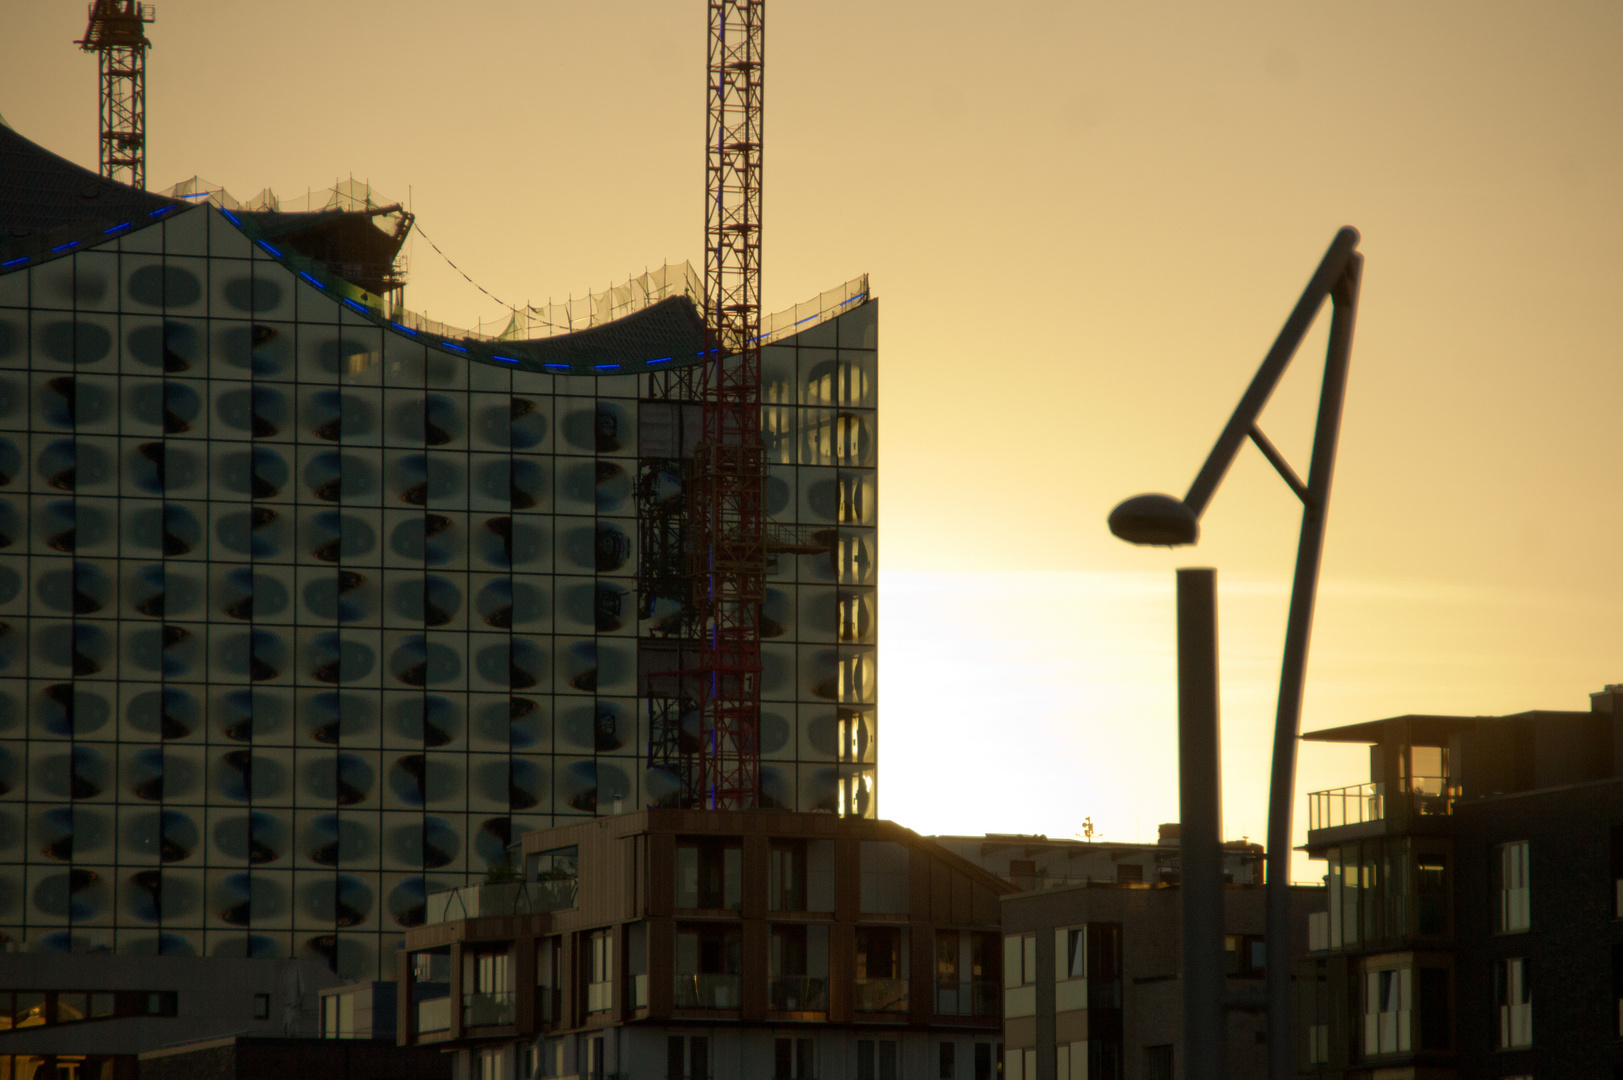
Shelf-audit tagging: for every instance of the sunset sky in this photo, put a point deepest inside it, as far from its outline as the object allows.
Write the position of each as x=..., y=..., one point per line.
x=1085, y=223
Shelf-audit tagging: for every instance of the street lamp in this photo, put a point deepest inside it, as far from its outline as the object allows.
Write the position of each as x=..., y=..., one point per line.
x=1162, y=520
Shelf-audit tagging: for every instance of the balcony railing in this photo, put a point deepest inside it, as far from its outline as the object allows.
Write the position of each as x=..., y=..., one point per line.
x=968, y=999
x=433, y=1014
x=707, y=992
x=599, y=997
x=881, y=995
x=1345, y=806
x=488, y=1008
x=799, y=993
x=1360, y=803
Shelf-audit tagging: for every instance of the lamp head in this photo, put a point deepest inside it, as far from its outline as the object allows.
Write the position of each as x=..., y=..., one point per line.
x=1158, y=520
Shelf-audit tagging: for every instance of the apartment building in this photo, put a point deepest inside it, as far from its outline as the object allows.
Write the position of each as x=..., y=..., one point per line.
x=708, y=945
x=1092, y=970
x=1472, y=918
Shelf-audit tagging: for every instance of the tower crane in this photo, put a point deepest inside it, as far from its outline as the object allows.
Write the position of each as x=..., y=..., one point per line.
x=730, y=468
x=116, y=33
x=707, y=549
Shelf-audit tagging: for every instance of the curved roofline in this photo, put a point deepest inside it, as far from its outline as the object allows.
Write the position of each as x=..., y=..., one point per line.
x=51, y=207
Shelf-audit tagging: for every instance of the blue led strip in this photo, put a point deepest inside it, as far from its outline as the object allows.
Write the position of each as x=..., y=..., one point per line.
x=661, y=360
x=403, y=329
x=607, y=367
x=13, y=262
x=504, y=359
x=311, y=280
x=273, y=251
x=854, y=299
x=68, y=246
x=455, y=348
x=160, y=211
x=353, y=306
x=233, y=217
x=115, y=228
x=555, y=367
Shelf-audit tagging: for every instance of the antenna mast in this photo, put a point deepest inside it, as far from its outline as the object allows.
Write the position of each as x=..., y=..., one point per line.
x=117, y=35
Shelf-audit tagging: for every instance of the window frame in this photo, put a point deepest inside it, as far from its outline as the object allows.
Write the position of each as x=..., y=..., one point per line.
x=1513, y=889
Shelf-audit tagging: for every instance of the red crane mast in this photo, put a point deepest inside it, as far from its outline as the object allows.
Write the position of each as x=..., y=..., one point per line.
x=116, y=33
x=730, y=470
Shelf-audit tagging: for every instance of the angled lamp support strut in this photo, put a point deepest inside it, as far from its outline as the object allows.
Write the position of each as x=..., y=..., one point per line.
x=1165, y=520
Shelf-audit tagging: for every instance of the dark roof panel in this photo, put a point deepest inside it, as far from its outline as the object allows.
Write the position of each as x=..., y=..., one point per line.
x=40, y=191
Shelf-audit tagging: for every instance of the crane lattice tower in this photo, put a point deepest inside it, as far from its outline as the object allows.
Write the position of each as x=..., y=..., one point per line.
x=117, y=35
x=730, y=469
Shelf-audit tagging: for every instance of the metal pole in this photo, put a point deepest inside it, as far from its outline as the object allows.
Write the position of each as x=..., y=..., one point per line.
x=1200, y=816
x=1293, y=674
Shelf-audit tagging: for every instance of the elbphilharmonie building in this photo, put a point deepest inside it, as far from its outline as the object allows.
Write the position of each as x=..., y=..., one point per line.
x=309, y=606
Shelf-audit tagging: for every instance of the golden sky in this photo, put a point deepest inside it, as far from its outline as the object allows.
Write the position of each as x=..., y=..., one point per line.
x=1085, y=221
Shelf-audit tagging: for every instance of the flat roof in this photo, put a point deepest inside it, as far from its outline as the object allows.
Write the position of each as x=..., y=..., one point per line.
x=1424, y=729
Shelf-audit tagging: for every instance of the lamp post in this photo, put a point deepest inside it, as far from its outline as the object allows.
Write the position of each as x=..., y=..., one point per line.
x=1163, y=520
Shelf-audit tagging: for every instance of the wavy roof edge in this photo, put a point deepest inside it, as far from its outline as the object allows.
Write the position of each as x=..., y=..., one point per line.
x=664, y=326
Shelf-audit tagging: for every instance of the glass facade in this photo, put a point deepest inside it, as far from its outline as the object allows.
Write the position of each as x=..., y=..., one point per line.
x=302, y=616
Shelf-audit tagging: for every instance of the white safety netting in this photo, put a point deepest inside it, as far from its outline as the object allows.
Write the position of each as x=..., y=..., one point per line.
x=592, y=308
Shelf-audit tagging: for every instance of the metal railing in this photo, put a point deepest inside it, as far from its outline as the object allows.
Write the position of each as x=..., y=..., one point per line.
x=881, y=995
x=974, y=998
x=707, y=992
x=1427, y=796
x=488, y=1008
x=799, y=993
x=503, y=898
x=1351, y=805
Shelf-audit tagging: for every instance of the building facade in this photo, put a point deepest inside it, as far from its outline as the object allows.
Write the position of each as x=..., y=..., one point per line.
x=1092, y=967
x=1474, y=916
x=310, y=607
x=88, y=1017
x=715, y=946
x=246, y=1057
x=1035, y=863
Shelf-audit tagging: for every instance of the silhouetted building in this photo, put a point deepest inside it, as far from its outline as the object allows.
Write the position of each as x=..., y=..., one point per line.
x=1474, y=897
x=1092, y=962
x=1035, y=862
x=715, y=946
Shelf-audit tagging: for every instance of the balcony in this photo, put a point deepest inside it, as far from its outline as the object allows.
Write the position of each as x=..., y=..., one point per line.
x=799, y=993
x=488, y=1008
x=881, y=995
x=1345, y=806
x=506, y=898
x=1422, y=796
x=968, y=999
x=433, y=1014
x=707, y=992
